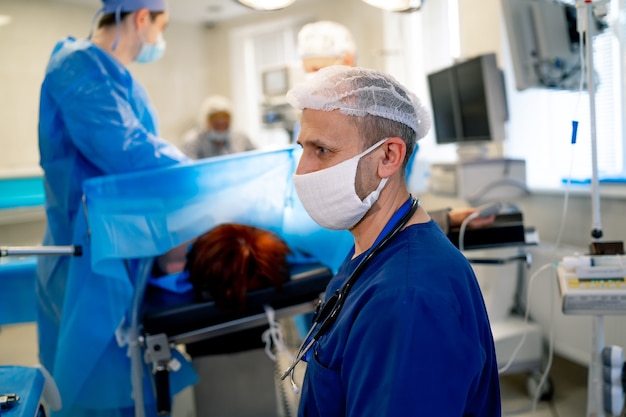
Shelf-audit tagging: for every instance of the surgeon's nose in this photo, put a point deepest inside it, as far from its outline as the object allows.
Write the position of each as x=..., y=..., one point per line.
x=304, y=166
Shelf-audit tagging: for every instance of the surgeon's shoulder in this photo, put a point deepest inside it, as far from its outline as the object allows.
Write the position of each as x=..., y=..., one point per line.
x=428, y=241
x=72, y=60
x=68, y=50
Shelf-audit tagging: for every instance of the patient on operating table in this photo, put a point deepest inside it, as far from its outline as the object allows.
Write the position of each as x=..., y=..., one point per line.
x=226, y=262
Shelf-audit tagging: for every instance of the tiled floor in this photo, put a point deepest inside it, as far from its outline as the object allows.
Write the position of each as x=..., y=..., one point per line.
x=18, y=347
x=569, y=394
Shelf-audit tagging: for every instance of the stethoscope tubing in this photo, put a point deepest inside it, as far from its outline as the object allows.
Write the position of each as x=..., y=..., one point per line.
x=326, y=320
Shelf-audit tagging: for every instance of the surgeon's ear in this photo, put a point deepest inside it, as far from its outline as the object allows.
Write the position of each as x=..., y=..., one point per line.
x=142, y=18
x=395, y=151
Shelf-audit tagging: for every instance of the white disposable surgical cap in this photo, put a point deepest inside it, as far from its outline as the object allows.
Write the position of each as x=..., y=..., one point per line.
x=111, y=6
x=358, y=91
x=211, y=105
x=325, y=38
x=120, y=6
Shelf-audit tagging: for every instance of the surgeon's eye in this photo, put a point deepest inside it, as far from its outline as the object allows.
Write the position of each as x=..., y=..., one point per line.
x=321, y=151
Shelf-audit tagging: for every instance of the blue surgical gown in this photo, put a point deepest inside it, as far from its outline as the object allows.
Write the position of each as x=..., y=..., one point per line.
x=95, y=119
x=413, y=338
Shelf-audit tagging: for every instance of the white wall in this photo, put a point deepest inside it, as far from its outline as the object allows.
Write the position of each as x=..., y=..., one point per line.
x=480, y=27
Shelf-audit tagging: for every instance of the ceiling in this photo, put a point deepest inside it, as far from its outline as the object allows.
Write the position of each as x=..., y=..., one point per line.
x=202, y=11
x=206, y=10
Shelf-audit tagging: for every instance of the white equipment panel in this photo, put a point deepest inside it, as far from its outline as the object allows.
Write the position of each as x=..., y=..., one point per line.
x=480, y=180
x=593, y=285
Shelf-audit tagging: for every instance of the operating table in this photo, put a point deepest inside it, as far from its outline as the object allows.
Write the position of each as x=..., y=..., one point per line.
x=175, y=319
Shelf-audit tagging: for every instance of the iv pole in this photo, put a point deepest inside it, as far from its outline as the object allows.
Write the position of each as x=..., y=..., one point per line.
x=596, y=231
x=595, y=392
x=595, y=400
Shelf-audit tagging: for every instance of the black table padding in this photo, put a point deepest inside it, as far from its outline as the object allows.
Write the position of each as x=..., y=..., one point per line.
x=174, y=314
x=506, y=230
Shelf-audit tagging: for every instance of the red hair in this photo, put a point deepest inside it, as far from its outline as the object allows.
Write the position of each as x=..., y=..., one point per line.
x=232, y=259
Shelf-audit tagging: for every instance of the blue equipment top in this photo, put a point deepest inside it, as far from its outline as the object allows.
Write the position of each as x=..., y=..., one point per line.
x=27, y=385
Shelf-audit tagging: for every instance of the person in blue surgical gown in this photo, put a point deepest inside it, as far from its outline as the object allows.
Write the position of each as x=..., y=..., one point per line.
x=95, y=119
x=404, y=331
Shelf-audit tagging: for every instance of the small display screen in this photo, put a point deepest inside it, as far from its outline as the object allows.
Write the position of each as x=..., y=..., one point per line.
x=465, y=99
x=601, y=280
x=275, y=82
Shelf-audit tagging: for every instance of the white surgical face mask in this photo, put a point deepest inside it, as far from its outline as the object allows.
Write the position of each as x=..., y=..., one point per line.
x=151, y=52
x=329, y=195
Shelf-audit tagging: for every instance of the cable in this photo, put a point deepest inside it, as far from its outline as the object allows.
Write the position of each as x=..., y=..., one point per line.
x=485, y=210
x=546, y=371
x=526, y=317
x=548, y=366
x=568, y=183
x=565, y=203
x=488, y=187
x=273, y=336
x=287, y=400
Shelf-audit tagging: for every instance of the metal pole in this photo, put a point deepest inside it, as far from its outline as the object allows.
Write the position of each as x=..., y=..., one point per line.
x=40, y=250
x=596, y=231
x=595, y=400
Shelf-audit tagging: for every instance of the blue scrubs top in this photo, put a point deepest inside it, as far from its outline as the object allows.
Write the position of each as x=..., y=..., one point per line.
x=94, y=119
x=413, y=338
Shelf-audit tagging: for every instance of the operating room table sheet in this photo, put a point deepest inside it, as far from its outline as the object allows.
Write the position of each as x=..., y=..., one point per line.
x=145, y=214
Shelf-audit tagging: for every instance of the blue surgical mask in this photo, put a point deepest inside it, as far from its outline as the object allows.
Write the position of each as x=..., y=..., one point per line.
x=221, y=136
x=151, y=52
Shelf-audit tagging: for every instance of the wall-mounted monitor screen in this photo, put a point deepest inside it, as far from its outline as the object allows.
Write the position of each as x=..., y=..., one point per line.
x=275, y=81
x=468, y=102
x=544, y=43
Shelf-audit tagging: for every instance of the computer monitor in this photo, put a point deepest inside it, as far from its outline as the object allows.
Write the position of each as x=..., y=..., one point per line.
x=275, y=81
x=468, y=102
x=544, y=43
x=278, y=79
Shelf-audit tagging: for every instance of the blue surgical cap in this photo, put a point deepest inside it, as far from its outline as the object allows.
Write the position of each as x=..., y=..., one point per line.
x=111, y=6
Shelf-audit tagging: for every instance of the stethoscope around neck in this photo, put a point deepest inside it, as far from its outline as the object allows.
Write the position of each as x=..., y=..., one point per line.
x=326, y=314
